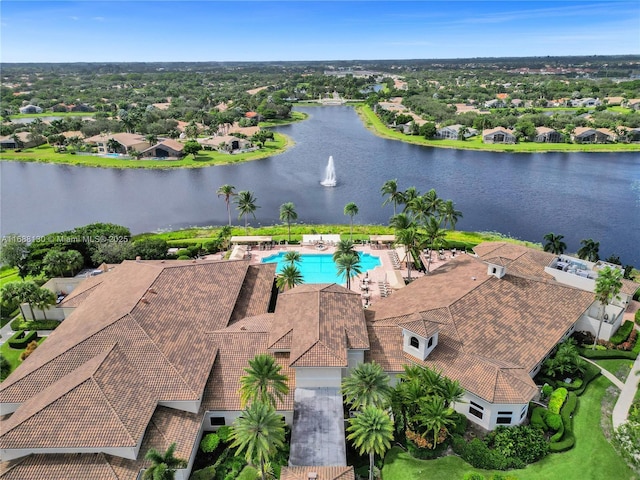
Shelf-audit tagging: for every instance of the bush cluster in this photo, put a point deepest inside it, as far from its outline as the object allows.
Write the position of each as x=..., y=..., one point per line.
x=537, y=418
x=29, y=350
x=557, y=399
x=553, y=421
x=546, y=390
x=623, y=333
x=565, y=441
x=495, y=476
x=209, y=442
x=20, y=339
x=637, y=316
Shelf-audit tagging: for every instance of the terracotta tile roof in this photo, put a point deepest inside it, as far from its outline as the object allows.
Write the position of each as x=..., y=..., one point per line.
x=255, y=293
x=629, y=287
x=322, y=317
x=324, y=473
x=518, y=259
x=420, y=327
x=236, y=348
x=59, y=467
x=81, y=292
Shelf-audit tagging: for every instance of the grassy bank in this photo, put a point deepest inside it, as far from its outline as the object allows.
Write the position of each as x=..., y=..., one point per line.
x=373, y=123
x=46, y=154
x=592, y=458
x=295, y=117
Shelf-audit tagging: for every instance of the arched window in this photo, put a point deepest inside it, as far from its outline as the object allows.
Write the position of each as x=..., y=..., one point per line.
x=414, y=342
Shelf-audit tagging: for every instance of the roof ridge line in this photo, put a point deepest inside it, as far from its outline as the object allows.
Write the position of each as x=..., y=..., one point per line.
x=93, y=379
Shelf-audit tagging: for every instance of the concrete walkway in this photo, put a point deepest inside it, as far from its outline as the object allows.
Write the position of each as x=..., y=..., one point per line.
x=615, y=380
x=317, y=435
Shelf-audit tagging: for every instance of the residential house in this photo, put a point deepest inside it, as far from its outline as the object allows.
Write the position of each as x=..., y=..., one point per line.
x=167, y=148
x=613, y=100
x=225, y=143
x=495, y=103
x=21, y=140
x=152, y=353
x=30, y=109
x=547, y=135
x=629, y=135
x=452, y=132
x=585, y=102
x=593, y=135
x=498, y=135
x=633, y=103
x=127, y=142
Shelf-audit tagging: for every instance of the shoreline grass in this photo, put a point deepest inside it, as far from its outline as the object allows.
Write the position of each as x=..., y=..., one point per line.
x=46, y=154
x=374, y=124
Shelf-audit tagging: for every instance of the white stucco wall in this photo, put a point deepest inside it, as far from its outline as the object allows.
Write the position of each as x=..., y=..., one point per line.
x=310, y=377
x=185, y=406
x=128, y=452
x=354, y=357
x=590, y=321
x=490, y=411
x=422, y=351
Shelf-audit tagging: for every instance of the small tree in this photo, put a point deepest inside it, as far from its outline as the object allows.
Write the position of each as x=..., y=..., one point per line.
x=287, y=214
x=289, y=277
x=163, y=465
x=371, y=431
x=608, y=286
x=192, y=148
x=351, y=209
x=13, y=252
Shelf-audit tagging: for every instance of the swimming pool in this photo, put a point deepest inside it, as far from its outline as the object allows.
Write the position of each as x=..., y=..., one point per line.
x=319, y=268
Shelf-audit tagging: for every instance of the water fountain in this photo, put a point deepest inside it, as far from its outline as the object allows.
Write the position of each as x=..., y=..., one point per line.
x=329, y=174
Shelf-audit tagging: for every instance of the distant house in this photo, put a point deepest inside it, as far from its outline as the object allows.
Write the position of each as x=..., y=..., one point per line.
x=547, y=135
x=593, y=135
x=585, y=102
x=21, y=140
x=495, y=103
x=224, y=143
x=613, y=100
x=498, y=135
x=168, y=148
x=629, y=135
x=30, y=109
x=128, y=142
x=633, y=103
x=452, y=132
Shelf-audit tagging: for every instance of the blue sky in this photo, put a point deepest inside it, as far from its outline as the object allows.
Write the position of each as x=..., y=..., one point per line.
x=118, y=31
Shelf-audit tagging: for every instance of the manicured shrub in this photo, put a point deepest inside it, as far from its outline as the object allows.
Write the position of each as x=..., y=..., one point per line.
x=473, y=476
x=574, y=385
x=479, y=455
x=209, y=442
x=557, y=399
x=184, y=257
x=248, y=473
x=29, y=350
x=500, y=476
x=606, y=354
x=637, y=316
x=16, y=324
x=591, y=371
x=537, y=418
x=553, y=421
x=546, y=390
x=630, y=342
x=623, y=333
x=426, y=452
x=207, y=473
x=20, y=339
x=5, y=368
x=224, y=433
x=521, y=444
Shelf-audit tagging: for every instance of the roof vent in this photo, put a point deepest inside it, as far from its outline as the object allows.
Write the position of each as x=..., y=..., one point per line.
x=144, y=300
x=152, y=290
x=312, y=475
x=243, y=328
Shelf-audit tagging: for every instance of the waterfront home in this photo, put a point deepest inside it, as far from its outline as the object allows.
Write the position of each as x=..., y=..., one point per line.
x=21, y=140
x=498, y=135
x=547, y=135
x=152, y=353
x=30, y=109
x=452, y=132
x=593, y=135
x=123, y=143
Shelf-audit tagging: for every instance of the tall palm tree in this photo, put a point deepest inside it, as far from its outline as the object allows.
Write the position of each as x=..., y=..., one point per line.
x=292, y=257
x=435, y=236
x=227, y=191
x=408, y=195
x=590, y=250
x=401, y=221
x=390, y=188
x=263, y=381
x=344, y=247
x=351, y=209
x=288, y=213
x=608, y=286
x=43, y=298
x=348, y=264
x=246, y=205
x=449, y=214
x=163, y=465
x=434, y=416
x=554, y=244
x=434, y=203
x=259, y=432
x=411, y=240
x=371, y=431
x=289, y=277
x=368, y=385
x=419, y=208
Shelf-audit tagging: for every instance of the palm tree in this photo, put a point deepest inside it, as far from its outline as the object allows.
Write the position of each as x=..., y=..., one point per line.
x=368, y=385
x=227, y=191
x=259, y=432
x=554, y=244
x=449, y=214
x=163, y=465
x=289, y=277
x=434, y=416
x=292, y=257
x=390, y=188
x=589, y=250
x=408, y=195
x=246, y=205
x=371, y=431
x=434, y=203
x=450, y=391
x=263, y=381
x=288, y=213
x=435, y=236
x=18, y=293
x=43, y=298
x=348, y=265
x=344, y=247
x=401, y=221
x=410, y=239
x=419, y=207
x=113, y=145
x=608, y=286
x=351, y=209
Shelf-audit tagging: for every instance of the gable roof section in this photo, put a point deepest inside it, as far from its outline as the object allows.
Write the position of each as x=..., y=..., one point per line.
x=59, y=467
x=324, y=473
x=518, y=259
x=323, y=320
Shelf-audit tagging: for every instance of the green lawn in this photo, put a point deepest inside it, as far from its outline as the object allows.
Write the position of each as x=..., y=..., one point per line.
x=46, y=153
x=13, y=355
x=9, y=275
x=53, y=114
x=372, y=122
x=592, y=458
x=620, y=367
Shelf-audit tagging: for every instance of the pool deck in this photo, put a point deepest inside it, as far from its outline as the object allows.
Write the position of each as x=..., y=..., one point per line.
x=377, y=276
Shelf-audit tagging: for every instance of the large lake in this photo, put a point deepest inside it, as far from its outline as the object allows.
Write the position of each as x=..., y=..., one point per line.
x=578, y=195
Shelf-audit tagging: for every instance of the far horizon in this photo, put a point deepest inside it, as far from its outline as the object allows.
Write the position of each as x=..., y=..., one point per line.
x=299, y=30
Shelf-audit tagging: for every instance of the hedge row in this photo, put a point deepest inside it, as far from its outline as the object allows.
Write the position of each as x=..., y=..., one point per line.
x=606, y=354
x=557, y=400
x=622, y=334
x=637, y=317
x=20, y=339
x=568, y=439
